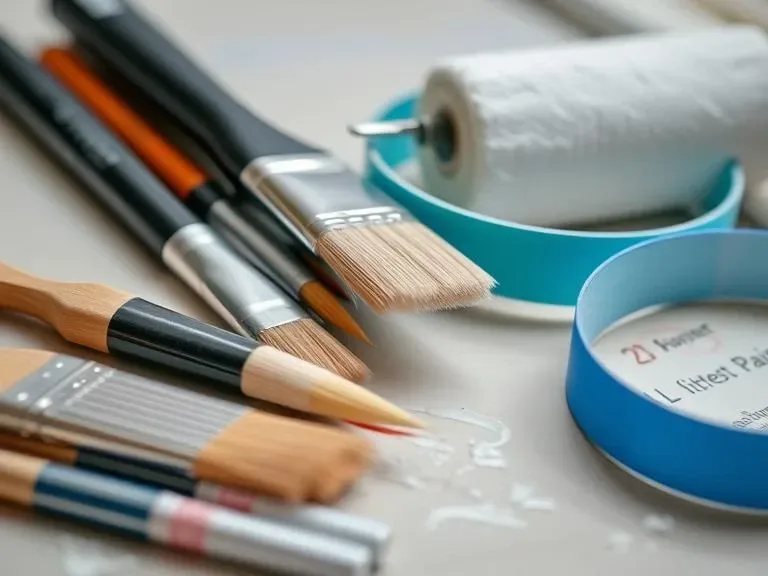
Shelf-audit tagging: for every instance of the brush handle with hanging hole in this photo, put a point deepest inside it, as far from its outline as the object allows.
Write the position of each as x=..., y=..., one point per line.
x=143, y=54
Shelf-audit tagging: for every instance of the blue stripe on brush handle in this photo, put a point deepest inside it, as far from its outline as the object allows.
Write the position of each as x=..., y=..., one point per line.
x=321, y=519
x=193, y=525
x=96, y=499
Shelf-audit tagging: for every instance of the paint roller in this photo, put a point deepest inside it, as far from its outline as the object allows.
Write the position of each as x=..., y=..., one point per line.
x=598, y=130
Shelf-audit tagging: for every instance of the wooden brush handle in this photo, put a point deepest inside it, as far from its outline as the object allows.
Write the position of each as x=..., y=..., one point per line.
x=81, y=313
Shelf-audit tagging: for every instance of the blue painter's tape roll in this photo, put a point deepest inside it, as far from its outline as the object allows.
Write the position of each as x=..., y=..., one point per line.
x=695, y=457
x=536, y=264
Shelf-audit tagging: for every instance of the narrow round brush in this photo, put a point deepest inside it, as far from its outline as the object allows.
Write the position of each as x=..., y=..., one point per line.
x=245, y=298
x=118, y=323
x=376, y=247
x=328, y=520
x=147, y=513
x=191, y=185
x=68, y=399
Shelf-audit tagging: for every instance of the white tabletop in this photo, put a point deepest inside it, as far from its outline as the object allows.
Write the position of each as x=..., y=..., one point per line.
x=313, y=67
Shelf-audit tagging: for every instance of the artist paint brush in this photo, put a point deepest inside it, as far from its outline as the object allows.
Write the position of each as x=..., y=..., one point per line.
x=148, y=513
x=49, y=396
x=261, y=218
x=374, y=534
x=255, y=213
x=196, y=189
x=118, y=323
x=244, y=297
x=390, y=260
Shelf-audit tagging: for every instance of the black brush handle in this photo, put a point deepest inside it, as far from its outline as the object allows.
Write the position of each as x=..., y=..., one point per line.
x=144, y=331
x=80, y=142
x=139, y=51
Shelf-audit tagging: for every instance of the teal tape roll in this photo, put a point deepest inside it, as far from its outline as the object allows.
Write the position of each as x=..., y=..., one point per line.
x=535, y=264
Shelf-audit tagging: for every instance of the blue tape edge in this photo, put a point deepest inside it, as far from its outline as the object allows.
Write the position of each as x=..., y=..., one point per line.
x=536, y=264
x=701, y=459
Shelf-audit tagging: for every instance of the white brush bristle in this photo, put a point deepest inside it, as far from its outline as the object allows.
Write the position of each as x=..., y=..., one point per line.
x=404, y=267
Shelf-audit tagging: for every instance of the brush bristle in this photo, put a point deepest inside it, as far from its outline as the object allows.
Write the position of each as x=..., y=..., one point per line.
x=308, y=341
x=404, y=267
x=327, y=306
x=285, y=458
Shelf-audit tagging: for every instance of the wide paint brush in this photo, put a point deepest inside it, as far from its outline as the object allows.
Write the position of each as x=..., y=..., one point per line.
x=172, y=520
x=328, y=520
x=377, y=248
x=119, y=323
x=196, y=189
x=63, y=398
x=245, y=298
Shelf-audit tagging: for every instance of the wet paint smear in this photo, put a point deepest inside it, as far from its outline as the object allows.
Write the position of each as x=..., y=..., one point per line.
x=486, y=513
x=484, y=454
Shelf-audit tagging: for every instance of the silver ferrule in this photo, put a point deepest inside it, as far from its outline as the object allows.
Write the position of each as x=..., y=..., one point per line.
x=259, y=542
x=85, y=403
x=279, y=265
x=315, y=193
x=247, y=300
x=372, y=533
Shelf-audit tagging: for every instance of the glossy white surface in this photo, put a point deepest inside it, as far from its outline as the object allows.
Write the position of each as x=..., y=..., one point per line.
x=313, y=67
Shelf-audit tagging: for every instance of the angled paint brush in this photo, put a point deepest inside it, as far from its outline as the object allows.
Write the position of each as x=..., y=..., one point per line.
x=328, y=520
x=390, y=260
x=245, y=298
x=172, y=520
x=196, y=189
x=118, y=323
x=62, y=398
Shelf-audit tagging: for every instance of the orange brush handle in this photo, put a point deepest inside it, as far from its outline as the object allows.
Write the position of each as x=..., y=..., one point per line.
x=162, y=157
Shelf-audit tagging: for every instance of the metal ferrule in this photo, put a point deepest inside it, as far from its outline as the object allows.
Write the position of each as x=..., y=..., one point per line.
x=277, y=264
x=246, y=299
x=92, y=405
x=316, y=193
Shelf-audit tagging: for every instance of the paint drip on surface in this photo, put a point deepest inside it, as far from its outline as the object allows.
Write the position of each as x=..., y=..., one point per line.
x=395, y=472
x=484, y=454
x=539, y=504
x=521, y=495
x=485, y=513
x=83, y=557
x=620, y=542
x=659, y=524
x=439, y=450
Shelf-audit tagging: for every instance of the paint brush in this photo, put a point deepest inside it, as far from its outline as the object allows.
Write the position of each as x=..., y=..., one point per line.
x=245, y=298
x=373, y=534
x=381, y=252
x=63, y=398
x=172, y=520
x=123, y=325
x=196, y=189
